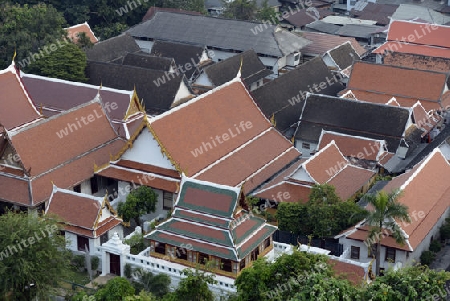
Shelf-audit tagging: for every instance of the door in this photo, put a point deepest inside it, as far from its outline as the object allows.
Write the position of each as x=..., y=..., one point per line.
x=114, y=264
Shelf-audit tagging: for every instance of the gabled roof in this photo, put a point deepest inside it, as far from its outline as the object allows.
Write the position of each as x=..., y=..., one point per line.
x=252, y=69
x=424, y=120
x=426, y=181
x=377, y=12
x=354, y=146
x=351, y=117
x=153, y=86
x=16, y=105
x=82, y=214
x=222, y=33
x=111, y=49
x=344, y=55
x=145, y=60
x=418, y=61
x=182, y=53
x=322, y=42
x=153, y=10
x=282, y=99
x=358, y=30
x=74, y=30
x=321, y=26
x=424, y=34
x=304, y=16
x=420, y=13
x=204, y=216
x=388, y=81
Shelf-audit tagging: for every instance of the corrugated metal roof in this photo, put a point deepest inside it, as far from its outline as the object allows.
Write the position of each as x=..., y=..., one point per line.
x=341, y=20
x=219, y=33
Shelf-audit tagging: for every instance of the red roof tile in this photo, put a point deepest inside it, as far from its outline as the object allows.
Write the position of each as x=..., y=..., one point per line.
x=83, y=27
x=295, y=191
x=325, y=164
x=350, y=180
x=426, y=50
x=322, y=42
x=353, y=273
x=419, y=33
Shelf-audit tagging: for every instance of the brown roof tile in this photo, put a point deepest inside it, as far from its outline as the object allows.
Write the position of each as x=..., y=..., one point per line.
x=322, y=42
x=16, y=107
x=79, y=28
x=296, y=192
x=429, y=51
x=423, y=34
x=325, y=164
x=350, y=180
x=353, y=273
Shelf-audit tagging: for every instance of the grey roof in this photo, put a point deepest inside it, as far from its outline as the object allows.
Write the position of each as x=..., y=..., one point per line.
x=411, y=11
x=111, y=49
x=284, y=97
x=145, y=60
x=344, y=55
x=351, y=117
x=157, y=98
x=358, y=31
x=378, y=186
x=182, y=53
x=219, y=33
x=321, y=26
x=375, y=11
x=252, y=69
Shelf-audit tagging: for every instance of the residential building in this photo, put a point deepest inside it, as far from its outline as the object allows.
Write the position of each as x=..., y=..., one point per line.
x=282, y=99
x=112, y=49
x=426, y=181
x=340, y=60
x=88, y=221
x=351, y=117
x=277, y=48
x=74, y=31
x=253, y=72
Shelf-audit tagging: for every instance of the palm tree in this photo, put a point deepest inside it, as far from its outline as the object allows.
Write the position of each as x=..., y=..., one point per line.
x=385, y=209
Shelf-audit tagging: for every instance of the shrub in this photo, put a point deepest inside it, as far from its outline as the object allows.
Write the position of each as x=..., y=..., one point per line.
x=137, y=243
x=95, y=261
x=427, y=257
x=435, y=246
x=128, y=271
x=79, y=261
x=445, y=231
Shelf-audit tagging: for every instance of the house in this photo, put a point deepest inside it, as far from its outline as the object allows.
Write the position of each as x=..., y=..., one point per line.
x=320, y=26
x=327, y=166
x=147, y=61
x=340, y=60
x=153, y=10
x=60, y=148
x=160, y=90
x=75, y=30
x=381, y=13
x=56, y=96
x=277, y=48
x=346, y=6
x=88, y=221
x=351, y=117
x=426, y=181
x=232, y=144
x=190, y=59
x=361, y=151
x=282, y=99
x=417, y=61
x=429, y=87
x=363, y=33
x=216, y=7
x=209, y=218
x=112, y=49
x=407, y=11
x=322, y=42
x=253, y=72
x=423, y=43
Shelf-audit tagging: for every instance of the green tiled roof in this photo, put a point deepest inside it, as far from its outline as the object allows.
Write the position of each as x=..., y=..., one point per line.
x=255, y=223
x=209, y=206
x=184, y=228
x=196, y=217
x=246, y=248
x=221, y=252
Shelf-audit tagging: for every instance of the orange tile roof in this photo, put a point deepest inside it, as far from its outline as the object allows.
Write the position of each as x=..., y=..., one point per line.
x=296, y=192
x=413, y=49
x=16, y=107
x=423, y=120
x=322, y=42
x=350, y=180
x=419, y=33
x=83, y=27
x=326, y=163
x=352, y=146
x=390, y=80
x=353, y=273
x=41, y=148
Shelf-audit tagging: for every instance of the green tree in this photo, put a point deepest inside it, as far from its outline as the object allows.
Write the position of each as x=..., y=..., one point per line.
x=267, y=13
x=191, y=5
x=67, y=62
x=32, y=256
x=386, y=209
x=27, y=30
x=193, y=287
x=158, y=284
x=323, y=194
x=139, y=202
x=240, y=9
x=115, y=290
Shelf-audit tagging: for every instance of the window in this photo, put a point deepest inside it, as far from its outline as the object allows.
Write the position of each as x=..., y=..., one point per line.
x=355, y=252
x=296, y=56
x=83, y=243
x=77, y=188
x=160, y=248
x=167, y=200
x=203, y=258
x=242, y=264
x=181, y=253
x=104, y=238
x=226, y=265
x=267, y=243
x=94, y=184
x=390, y=254
x=306, y=145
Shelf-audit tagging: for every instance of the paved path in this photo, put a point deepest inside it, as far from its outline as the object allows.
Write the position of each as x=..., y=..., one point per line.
x=100, y=280
x=442, y=261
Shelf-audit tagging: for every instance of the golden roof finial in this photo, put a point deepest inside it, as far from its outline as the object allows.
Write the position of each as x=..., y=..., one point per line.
x=15, y=54
x=240, y=67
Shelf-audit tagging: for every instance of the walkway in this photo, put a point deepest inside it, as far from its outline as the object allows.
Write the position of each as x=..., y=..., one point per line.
x=100, y=280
